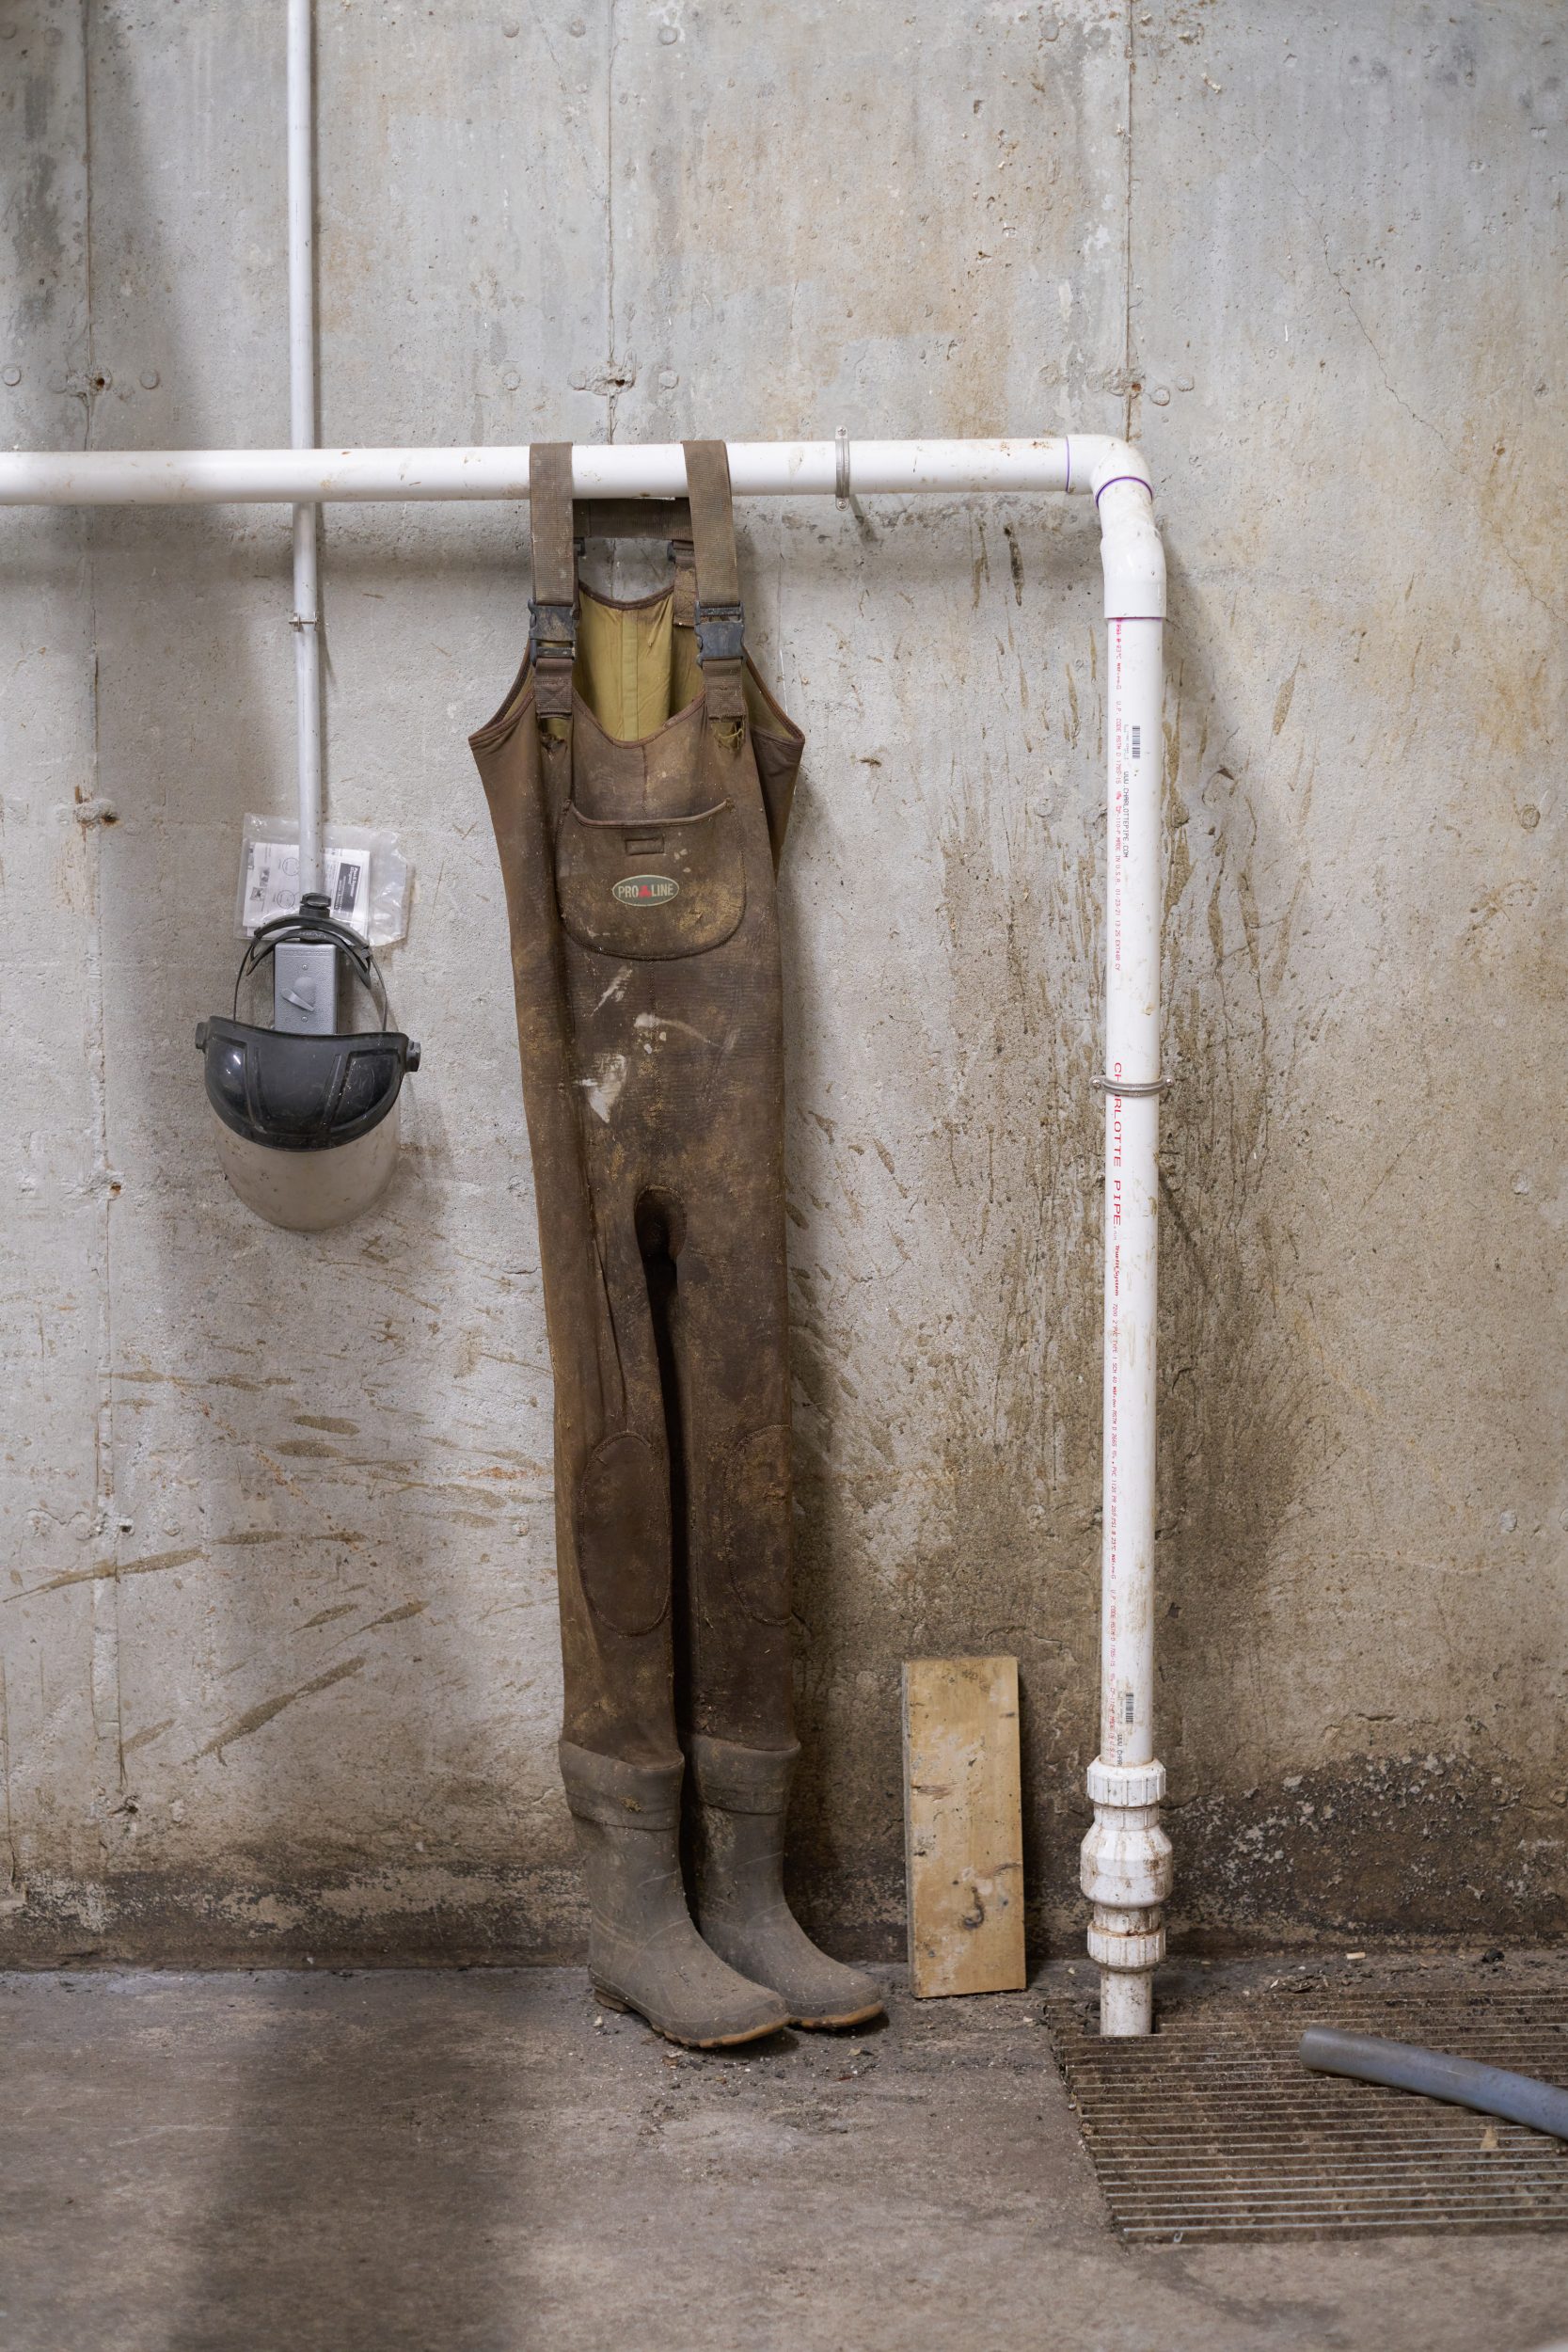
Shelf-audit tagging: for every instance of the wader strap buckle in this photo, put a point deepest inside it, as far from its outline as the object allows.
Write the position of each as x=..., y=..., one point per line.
x=552, y=644
x=552, y=630
x=683, y=556
x=721, y=632
x=721, y=621
x=553, y=636
x=721, y=642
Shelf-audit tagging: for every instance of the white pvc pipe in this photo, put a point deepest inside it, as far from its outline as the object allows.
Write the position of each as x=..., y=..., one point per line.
x=302, y=432
x=757, y=469
x=1126, y=1861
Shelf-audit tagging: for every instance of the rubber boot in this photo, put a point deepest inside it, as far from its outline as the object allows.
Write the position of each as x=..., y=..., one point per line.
x=643, y=1952
x=742, y=1797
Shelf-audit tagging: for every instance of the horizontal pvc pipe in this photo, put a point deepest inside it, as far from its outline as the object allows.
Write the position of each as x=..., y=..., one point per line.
x=1083, y=462
x=1464, y=2083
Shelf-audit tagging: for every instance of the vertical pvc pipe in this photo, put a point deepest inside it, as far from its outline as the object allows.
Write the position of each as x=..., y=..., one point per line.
x=1126, y=1863
x=1132, y=1143
x=302, y=430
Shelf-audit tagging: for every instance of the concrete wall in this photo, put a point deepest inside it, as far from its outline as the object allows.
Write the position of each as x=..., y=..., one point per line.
x=279, y=1665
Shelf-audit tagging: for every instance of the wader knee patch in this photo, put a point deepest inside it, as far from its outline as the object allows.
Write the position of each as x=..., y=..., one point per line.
x=756, y=1524
x=623, y=1524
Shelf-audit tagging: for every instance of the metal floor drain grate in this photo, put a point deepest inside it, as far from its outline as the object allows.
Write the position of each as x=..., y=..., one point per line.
x=1213, y=2129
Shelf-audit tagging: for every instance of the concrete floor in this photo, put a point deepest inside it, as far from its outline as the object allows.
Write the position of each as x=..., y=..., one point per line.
x=400, y=2162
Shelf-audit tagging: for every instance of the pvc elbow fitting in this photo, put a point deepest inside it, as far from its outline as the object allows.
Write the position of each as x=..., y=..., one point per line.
x=1117, y=477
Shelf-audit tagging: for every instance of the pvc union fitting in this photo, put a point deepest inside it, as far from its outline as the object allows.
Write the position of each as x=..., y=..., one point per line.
x=1125, y=1860
x=1125, y=1784
x=1129, y=1951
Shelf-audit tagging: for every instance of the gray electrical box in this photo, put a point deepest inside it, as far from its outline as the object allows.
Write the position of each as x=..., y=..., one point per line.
x=305, y=987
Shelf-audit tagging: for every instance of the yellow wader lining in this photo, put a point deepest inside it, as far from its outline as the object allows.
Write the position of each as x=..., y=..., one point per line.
x=636, y=667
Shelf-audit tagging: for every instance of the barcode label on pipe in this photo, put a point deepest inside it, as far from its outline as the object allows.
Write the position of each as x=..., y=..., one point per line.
x=1128, y=1705
x=1137, y=743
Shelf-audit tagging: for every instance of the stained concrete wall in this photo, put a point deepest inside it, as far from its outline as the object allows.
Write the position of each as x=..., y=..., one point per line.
x=279, y=1663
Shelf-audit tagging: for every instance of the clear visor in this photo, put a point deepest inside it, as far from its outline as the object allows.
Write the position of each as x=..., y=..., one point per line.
x=306, y=1192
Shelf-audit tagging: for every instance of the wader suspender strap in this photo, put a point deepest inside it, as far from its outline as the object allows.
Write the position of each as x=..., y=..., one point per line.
x=720, y=617
x=553, y=607
x=685, y=610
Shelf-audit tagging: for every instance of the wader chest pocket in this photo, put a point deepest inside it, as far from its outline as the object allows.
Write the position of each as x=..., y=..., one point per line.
x=651, y=888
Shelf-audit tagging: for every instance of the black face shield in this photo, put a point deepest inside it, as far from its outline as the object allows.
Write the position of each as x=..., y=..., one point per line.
x=307, y=1117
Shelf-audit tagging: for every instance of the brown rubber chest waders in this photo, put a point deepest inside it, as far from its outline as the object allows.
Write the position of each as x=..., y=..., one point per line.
x=639, y=777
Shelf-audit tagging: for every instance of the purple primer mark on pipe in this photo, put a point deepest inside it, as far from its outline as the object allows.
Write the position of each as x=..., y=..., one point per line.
x=1067, y=483
x=1123, y=477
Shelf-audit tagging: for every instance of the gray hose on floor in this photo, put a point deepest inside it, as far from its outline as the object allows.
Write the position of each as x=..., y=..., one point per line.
x=1403, y=2066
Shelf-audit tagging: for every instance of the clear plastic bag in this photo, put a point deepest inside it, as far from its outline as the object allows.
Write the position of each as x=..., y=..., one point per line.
x=367, y=878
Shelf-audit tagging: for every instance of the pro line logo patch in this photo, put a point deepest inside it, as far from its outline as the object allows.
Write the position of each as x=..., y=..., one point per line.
x=645, y=890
